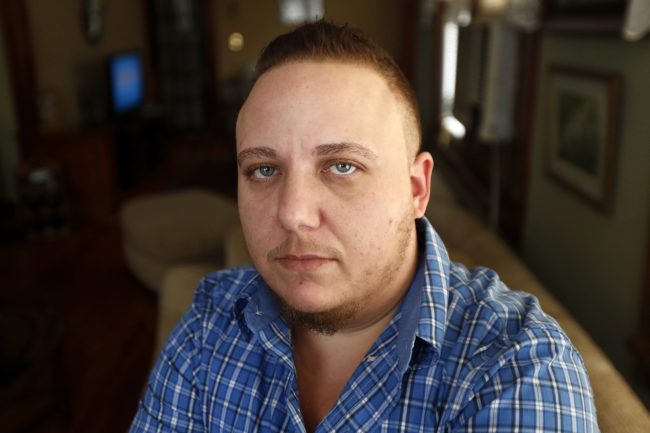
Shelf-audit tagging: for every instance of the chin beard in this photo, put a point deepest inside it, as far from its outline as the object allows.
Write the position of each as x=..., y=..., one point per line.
x=329, y=322
x=323, y=322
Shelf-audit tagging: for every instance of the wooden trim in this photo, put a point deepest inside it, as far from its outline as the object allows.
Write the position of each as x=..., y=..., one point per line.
x=409, y=32
x=151, y=30
x=585, y=18
x=645, y=311
x=431, y=135
x=524, y=141
x=210, y=60
x=639, y=343
x=599, y=25
x=645, y=301
x=21, y=71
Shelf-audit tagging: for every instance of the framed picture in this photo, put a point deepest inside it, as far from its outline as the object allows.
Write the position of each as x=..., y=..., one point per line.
x=583, y=118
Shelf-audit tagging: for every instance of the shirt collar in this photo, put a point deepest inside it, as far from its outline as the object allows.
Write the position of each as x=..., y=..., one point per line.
x=259, y=314
x=258, y=306
x=422, y=314
x=435, y=293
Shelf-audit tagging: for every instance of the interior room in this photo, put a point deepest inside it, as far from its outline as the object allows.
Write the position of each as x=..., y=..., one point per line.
x=118, y=176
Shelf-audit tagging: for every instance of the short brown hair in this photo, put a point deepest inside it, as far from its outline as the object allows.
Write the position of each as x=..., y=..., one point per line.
x=324, y=40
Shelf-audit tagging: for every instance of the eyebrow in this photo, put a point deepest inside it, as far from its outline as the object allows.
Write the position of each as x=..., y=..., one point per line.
x=322, y=150
x=345, y=147
x=258, y=152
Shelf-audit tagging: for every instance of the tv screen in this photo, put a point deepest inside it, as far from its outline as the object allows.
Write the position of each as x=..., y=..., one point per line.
x=126, y=82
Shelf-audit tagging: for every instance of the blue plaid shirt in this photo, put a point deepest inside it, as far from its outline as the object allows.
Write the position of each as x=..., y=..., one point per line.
x=462, y=353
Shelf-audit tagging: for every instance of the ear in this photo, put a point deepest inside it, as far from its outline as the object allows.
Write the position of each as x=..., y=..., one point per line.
x=421, y=170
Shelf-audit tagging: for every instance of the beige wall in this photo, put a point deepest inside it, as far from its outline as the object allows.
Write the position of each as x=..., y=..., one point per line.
x=63, y=60
x=594, y=262
x=8, y=147
x=259, y=22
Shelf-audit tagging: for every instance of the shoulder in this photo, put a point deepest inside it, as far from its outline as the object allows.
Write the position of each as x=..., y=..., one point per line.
x=503, y=351
x=209, y=320
x=212, y=312
x=479, y=300
x=219, y=291
x=487, y=320
x=180, y=375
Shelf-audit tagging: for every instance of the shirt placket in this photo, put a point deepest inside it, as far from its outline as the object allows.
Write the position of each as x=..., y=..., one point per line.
x=369, y=397
x=278, y=344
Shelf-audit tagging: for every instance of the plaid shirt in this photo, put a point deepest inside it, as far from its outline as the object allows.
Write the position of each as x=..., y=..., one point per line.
x=462, y=353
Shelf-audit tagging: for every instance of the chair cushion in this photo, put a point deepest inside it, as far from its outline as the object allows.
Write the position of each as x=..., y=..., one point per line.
x=147, y=269
x=180, y=225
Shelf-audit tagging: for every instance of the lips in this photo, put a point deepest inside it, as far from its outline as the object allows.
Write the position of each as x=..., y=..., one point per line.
x=303, y=262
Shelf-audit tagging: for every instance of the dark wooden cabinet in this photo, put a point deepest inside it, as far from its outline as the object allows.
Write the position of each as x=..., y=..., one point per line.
x=87, y=160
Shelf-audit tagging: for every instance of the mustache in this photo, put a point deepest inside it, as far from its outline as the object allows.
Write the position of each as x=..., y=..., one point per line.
x=301, y=247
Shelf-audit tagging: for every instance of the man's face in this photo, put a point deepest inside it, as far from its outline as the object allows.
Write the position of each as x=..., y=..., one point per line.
x=327, y=193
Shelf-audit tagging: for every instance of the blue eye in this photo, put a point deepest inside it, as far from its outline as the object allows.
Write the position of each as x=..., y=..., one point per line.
x=343, y=168
x=263, y=172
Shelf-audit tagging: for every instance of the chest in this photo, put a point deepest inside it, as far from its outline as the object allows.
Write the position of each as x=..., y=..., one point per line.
x=319, y=389
x=261, y=393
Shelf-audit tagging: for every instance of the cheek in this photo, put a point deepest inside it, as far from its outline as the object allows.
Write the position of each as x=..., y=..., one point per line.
x=377, y=207
x=372, y=217
x=254, y=205
x=360, y=221
x=256, y=218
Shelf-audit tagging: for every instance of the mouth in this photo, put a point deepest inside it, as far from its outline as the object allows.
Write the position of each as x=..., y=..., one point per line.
x=303, y=262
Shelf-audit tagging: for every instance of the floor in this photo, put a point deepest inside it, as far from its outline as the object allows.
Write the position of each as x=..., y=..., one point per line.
x=109, y=322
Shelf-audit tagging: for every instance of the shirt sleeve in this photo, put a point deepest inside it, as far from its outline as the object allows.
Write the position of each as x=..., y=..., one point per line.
x=170, y=402
x=538, y=384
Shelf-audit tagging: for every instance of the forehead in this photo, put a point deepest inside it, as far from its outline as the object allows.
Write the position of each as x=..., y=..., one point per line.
x=327, y=101
x=298, y=77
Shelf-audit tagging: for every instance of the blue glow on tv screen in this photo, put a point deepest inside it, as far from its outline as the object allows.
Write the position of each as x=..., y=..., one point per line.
x=126, y=82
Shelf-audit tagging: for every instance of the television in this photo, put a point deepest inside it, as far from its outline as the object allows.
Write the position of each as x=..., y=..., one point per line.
x=126, y=82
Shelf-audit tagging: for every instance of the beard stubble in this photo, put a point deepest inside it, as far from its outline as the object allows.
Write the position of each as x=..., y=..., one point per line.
x=329, y=322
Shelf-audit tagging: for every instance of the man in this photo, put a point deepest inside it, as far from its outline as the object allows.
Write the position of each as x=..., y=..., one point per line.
x=353, y=319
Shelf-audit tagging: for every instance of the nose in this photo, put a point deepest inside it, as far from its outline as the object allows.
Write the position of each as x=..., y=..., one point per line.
x=299, y=204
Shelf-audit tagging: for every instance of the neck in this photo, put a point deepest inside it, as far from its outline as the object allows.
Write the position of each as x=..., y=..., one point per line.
x=325, y=363
x=321, y=347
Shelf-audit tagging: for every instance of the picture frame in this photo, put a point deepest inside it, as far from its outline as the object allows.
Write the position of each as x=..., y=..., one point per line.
x=583, y=128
